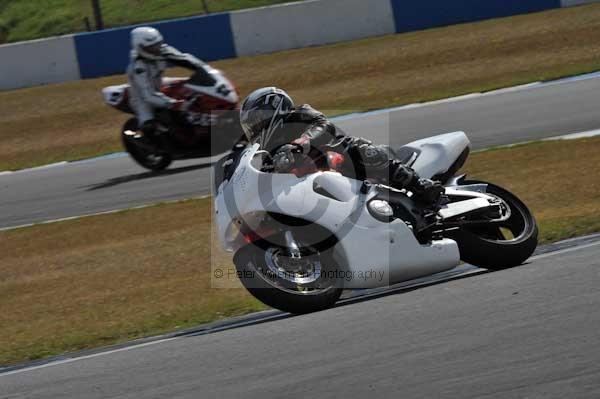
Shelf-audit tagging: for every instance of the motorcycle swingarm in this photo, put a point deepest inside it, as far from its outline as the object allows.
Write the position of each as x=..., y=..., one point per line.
x=473, y=200
x=474, y=211
x=463, y=208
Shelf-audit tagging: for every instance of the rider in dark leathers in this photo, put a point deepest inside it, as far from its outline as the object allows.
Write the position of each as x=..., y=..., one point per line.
x=268, y=116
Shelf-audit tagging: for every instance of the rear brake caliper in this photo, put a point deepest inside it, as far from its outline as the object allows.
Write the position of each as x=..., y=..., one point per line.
x=498, y=210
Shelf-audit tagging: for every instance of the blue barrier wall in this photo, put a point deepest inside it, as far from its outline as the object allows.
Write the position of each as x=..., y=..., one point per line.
x=423, y=14
x=107, y=52
x=218, y=36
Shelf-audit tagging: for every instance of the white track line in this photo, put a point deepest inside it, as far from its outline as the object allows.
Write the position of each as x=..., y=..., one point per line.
x=463, y=97
x=574, y=136
x=564, y=251
x=160, y=341
x=35, y=169
x=571, y=136
x=74, y=359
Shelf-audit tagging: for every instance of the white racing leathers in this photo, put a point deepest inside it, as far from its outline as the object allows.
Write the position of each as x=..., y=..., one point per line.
x=145, y=78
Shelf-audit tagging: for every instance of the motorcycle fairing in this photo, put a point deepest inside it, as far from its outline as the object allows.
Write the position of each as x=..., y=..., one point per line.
x=438, y=153
x=118, y=97
x=250, y=193
x=222, y=89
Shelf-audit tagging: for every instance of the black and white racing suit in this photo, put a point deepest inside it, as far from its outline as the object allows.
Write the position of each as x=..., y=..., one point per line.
x=310, y=133
x=145, y=78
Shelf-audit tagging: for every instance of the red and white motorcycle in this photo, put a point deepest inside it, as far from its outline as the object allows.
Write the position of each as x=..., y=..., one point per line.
x=207, y=125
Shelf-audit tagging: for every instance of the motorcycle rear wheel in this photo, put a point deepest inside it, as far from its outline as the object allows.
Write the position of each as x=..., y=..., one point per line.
x=499, y=246
x=152, y=160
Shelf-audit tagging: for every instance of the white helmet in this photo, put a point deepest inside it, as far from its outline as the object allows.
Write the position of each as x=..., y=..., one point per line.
x=147, y=42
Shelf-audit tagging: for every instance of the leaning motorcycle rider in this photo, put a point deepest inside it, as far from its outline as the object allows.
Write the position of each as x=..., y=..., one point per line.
x=149, y=58
x=297, y=134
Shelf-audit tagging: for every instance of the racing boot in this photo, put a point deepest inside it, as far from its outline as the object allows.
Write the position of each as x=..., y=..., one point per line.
x=153, y=134
x=425, y=191
x=149, y=133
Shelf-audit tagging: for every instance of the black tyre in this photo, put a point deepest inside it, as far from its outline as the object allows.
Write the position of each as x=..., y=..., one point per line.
x=504, y=245
x=149, y=159
x=264, y=269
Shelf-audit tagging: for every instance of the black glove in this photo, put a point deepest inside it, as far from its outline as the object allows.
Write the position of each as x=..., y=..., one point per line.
x=284, y=158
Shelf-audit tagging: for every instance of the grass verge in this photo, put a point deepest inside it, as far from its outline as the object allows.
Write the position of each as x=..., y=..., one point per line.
x=111, y=278
x=69, y=121
x=33, y=19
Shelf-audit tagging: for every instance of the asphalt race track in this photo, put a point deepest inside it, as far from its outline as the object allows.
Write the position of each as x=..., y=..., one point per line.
x=530, y=331
x=117, y=183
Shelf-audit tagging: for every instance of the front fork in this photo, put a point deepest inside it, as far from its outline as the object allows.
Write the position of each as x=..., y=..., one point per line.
x=292, y=246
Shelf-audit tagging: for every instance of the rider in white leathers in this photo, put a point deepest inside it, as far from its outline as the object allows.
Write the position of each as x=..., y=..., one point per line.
x=150, y=56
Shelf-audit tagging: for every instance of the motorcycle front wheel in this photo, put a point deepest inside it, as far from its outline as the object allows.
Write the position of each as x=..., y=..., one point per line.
x=294, y=285
x=149, y=159
x=499, y=245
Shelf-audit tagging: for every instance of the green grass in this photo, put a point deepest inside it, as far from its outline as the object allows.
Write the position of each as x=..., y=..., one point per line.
x=147, y=271
x=32, y=19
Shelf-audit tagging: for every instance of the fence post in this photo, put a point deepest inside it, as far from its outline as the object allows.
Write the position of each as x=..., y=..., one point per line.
x=86, y=22
x=98, y=14
x=205, y=5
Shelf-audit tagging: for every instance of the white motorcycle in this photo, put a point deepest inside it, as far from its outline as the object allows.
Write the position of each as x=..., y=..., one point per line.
x=299, y=240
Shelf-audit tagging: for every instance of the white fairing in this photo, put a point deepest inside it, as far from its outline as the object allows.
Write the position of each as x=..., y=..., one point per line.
x=438, y=153
x=113, y=95
x=222, y=89
x=383, y=253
